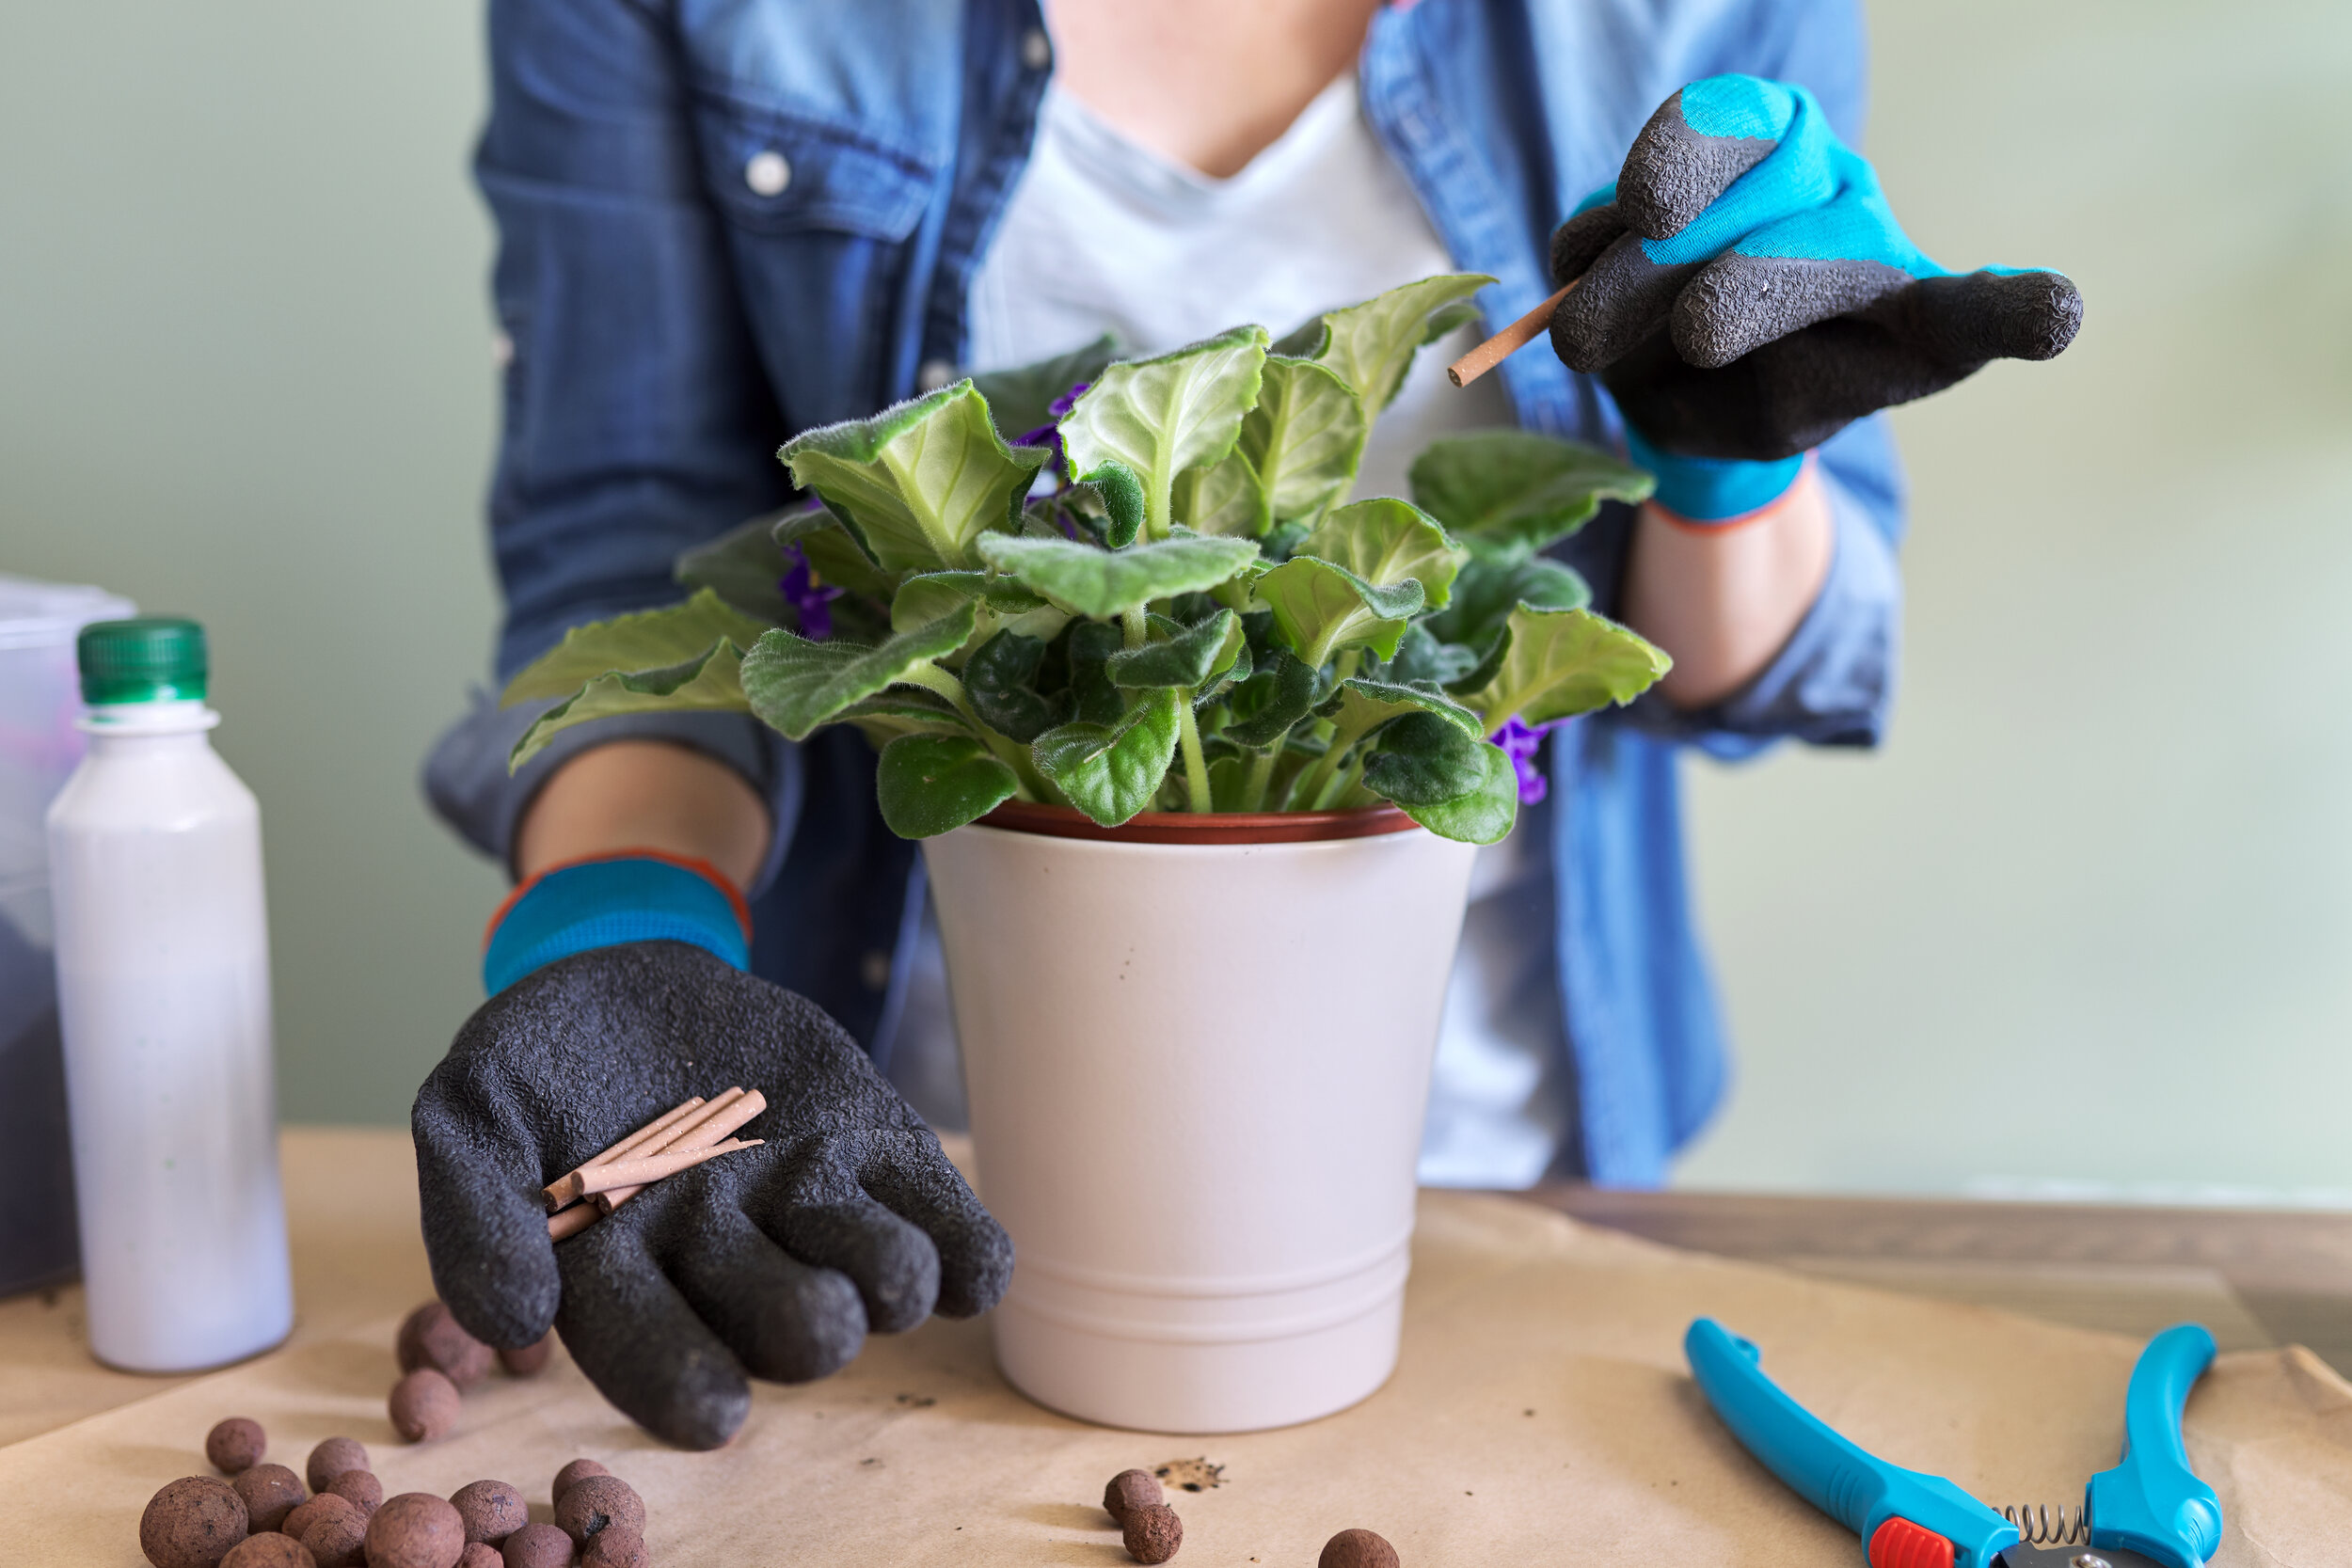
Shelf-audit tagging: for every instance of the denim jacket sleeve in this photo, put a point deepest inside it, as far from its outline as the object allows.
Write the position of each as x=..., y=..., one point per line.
x=1833, y=681
x=637, y=418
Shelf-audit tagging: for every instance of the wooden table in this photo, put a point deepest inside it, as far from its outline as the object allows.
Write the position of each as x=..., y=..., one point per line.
x=2257, y=1279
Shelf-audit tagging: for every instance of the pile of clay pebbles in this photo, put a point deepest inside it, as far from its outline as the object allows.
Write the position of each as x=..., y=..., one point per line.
x=1153, y=1534
x=262, y=1517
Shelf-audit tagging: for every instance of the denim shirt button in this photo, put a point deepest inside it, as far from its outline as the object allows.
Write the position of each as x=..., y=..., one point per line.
x=934, y=374
x=768, y=173
x=1036, y=50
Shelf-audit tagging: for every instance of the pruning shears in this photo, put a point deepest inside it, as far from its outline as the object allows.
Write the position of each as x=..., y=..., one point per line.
x=2148, y=1512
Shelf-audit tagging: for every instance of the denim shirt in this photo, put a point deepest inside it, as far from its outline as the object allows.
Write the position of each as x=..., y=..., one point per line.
x=674, y=311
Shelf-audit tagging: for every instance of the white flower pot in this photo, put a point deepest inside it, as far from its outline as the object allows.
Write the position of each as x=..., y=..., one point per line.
x=1197, y=1073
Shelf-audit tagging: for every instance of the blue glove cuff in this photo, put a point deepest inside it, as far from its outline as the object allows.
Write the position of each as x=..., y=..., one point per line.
x=1712, y=489
x=603, y=903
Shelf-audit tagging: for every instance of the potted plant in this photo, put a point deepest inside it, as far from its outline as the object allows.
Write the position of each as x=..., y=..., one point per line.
x=1199, y=750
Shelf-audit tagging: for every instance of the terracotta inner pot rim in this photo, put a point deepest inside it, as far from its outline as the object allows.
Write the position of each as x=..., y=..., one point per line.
x=1200, y=827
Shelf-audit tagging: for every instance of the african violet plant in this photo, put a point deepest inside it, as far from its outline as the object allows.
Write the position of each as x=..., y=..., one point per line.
x=1183, y=614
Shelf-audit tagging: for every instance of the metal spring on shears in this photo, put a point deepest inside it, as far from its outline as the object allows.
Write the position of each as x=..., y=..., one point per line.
x=2036, y=1527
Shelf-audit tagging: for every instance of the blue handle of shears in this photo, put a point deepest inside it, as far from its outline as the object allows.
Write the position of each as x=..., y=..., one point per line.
x=1854, y=1488
x=2152, y=1502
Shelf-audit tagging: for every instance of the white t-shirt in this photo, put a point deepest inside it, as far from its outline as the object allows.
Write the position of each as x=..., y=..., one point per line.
x=1102, y=234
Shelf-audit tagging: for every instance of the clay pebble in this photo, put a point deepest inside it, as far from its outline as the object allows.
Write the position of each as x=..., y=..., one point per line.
x=269, y=1549
x=578, y=1470
x=331, y=1458
x=235, y=1444
x=423, y=1405
x=479, y=1554
x=415, y=1529
x=1153, y=1532
x=532, y=1359
x=359, y=1488
x=492, y=1510
x=1357, y=1548
x=337, y=1533
x=1131, y=1489
x=538, y=1546
x=597, y=1503
x=297, y=1523
x=429, y=1337
x=192, y=1522
x=616, y=1547
x=269, y=1493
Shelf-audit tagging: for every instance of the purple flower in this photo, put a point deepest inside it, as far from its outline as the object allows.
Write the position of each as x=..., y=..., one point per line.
x=808, y=598
x=1049, y=433
x=1522, y=743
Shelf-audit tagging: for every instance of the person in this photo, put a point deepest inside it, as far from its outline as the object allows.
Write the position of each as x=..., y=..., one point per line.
x=721, y=226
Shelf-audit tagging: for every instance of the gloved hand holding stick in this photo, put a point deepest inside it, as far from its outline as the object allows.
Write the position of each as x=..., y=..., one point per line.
x=1745, y=292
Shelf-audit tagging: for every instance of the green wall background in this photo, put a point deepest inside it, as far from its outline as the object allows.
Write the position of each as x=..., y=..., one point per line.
x=2085, y=925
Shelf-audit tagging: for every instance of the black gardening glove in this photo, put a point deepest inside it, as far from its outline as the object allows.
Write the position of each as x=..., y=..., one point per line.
x=775, y=1260
x=1746, y=292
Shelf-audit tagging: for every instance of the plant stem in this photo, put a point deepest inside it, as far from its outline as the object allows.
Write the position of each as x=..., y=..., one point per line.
x=1196, y=765
x=1310, y=785
x=1261, y=774
x=930, y=677
x=1337, y=790
x=1003, y=748
x=1135, y=625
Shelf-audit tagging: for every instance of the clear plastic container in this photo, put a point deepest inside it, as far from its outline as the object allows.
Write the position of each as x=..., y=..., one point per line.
x=39, y=701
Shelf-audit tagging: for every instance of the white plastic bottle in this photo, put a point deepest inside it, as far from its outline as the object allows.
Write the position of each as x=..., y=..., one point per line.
x=162, y=987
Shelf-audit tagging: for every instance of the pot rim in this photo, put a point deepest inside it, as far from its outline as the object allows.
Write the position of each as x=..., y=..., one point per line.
x=1183, y=827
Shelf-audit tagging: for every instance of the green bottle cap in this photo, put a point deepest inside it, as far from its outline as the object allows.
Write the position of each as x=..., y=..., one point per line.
x=154, y=658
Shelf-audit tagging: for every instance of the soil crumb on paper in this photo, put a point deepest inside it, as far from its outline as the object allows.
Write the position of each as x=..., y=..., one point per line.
x=1190, y=1475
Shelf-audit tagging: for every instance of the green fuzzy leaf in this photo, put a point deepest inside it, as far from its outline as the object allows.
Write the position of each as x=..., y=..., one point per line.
x=1000, y=680
x=917, y=484
x=1111, y=772
x=1236, y=668
x=1421, y=657
x=1277, y=695
x=650, y=641
x=1388, y=540
x=1122, y=495
x=1564, y=662
x=1093, y=698
x=1165, y=415
x=1185, y=657
x=1022, y=399
x=1358, y=706
x=1303, y=440
x=1321, y=609
x=835, y=555
x=1226, y=499
x=796, y=685
x=1481, y=815
x=902, y=710
x=1423, y=760
x=926, y=597
x=711, y=682
x=1106, y=584
x=929, y=785
x=1508, y=494
x=1487, y=590
x=1372, y=345
x=744, y=566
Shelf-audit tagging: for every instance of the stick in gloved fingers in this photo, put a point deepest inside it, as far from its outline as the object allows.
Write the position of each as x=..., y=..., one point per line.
x=1495, y=349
